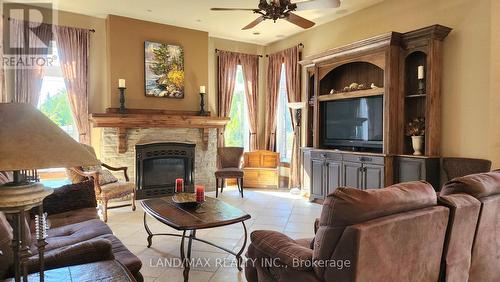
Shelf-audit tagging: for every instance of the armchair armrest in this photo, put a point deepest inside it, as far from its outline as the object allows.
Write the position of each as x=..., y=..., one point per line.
x=277, y=245
x=316, y=225
x=124, y=168
x=80, y=253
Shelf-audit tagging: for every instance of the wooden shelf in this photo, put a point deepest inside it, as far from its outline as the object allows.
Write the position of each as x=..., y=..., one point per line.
x=139, y=118
x=352, y=94
x=416, y=96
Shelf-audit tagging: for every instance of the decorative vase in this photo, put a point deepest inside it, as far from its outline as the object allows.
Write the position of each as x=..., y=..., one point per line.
x=418, y=144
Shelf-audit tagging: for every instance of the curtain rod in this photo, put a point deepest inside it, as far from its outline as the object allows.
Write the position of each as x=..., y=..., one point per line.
x=300, y=45
x=91, y=30
x=217, y=50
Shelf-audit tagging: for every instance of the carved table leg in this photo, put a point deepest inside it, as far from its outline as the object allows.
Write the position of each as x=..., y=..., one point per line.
x=150, y=234
x=238, y=255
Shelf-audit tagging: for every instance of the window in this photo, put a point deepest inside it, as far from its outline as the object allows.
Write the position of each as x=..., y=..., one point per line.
x=53, y=101
x=237, y=131
x=284, y=128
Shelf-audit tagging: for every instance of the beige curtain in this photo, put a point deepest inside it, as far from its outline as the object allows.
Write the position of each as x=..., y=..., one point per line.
x=250, y=66
x=292, y=72
x=28, y=78
x=227, y=66
x=73, y=46
x=273, y=85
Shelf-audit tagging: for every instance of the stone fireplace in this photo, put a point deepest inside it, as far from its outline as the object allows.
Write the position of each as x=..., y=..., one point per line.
x=184, y=141
x=204, y=160
x=159, y=164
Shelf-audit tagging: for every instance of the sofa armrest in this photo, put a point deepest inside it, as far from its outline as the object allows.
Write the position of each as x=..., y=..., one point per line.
x=80, y=253
x=277, y=245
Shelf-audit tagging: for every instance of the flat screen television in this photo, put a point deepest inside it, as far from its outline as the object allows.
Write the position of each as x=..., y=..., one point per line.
x=353, y=124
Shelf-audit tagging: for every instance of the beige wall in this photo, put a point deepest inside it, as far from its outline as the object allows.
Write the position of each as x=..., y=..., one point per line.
x=468, y=97
x=494, y=102
x=126, y=38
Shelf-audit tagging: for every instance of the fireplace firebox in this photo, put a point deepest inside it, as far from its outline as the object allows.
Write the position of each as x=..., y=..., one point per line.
x=158, y=165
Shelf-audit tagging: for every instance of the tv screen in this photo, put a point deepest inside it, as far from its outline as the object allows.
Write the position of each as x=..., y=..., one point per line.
x=354, y=122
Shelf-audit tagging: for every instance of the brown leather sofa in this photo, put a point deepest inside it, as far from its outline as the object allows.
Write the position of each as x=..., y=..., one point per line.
x=75, y=237
x=391, y=234
x=485, y=255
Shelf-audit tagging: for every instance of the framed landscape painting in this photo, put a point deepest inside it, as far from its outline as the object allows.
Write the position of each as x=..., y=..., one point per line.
x=163, y=70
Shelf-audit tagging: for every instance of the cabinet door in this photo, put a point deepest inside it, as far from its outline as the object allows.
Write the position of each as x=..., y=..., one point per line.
x=373, y=176
x=306, y=171
x=352, y=174
x=317, y=179
x=334, y=171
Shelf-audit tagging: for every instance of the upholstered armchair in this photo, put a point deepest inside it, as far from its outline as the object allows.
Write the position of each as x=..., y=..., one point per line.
x=391, y=234
x=106, y=186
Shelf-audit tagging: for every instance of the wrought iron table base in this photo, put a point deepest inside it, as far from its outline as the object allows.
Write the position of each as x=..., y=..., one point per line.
x=192, y=236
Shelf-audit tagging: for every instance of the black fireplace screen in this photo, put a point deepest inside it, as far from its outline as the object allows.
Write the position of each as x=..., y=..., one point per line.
x=158, y=165
x=164, y=171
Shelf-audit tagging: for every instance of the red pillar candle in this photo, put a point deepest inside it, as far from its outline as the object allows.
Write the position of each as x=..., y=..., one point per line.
x=200, y=194
x=179, y=185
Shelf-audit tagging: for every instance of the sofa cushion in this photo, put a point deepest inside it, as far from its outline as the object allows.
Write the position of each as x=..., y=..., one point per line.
x=350, y=206
x=6, y=235
x=478, y=185
x=72, y=217
x=123, y=255
x=80, y=253
x=75, y=233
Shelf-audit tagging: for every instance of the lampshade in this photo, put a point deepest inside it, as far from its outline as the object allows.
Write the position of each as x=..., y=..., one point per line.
x=297, y=105
x=30, y=140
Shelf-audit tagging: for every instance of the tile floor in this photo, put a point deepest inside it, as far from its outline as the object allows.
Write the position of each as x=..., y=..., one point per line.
x=270, y=209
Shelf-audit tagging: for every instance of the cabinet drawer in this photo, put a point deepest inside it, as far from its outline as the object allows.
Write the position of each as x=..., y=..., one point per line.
x=364, y=159
x=319, y=155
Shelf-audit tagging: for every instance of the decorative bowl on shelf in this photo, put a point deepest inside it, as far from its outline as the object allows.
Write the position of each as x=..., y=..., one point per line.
x=185, y=200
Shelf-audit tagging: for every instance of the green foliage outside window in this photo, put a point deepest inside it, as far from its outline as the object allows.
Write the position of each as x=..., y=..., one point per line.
x=56, y=107
x=236, y=133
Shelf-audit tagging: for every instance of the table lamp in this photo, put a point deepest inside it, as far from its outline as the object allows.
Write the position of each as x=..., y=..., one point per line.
x=30, y=141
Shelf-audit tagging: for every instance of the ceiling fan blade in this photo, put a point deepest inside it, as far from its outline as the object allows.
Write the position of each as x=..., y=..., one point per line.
x=254, y=23
x=300, y=21
x=317, y=4
x=232, y=9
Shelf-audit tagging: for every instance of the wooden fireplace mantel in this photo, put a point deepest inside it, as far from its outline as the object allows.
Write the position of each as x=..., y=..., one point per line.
x=145, y=118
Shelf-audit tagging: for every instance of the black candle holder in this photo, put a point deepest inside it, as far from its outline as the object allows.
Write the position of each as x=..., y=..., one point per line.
x=122, y=109
x=202, y=105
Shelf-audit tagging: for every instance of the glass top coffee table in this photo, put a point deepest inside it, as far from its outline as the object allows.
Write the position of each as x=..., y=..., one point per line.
x=212, y=213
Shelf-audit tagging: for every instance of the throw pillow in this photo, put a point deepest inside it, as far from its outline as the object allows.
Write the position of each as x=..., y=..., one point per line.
x=106, y=177
x=69, y=197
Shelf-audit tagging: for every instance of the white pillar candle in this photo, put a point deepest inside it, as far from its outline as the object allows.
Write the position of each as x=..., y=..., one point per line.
x=121, y=83
x=202, y=89
x=420, y=72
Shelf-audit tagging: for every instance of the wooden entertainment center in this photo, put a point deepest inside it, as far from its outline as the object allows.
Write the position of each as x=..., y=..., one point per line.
x=382, y=66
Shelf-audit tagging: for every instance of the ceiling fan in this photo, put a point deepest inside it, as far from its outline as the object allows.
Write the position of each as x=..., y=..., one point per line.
x=282, y=9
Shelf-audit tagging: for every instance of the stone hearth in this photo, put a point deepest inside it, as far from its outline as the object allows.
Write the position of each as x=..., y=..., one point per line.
x=205, y=156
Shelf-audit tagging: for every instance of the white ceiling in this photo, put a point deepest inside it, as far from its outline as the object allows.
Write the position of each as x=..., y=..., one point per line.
x=196, y=14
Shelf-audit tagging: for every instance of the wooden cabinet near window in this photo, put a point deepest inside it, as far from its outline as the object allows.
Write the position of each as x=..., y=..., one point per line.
x=261, y=169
